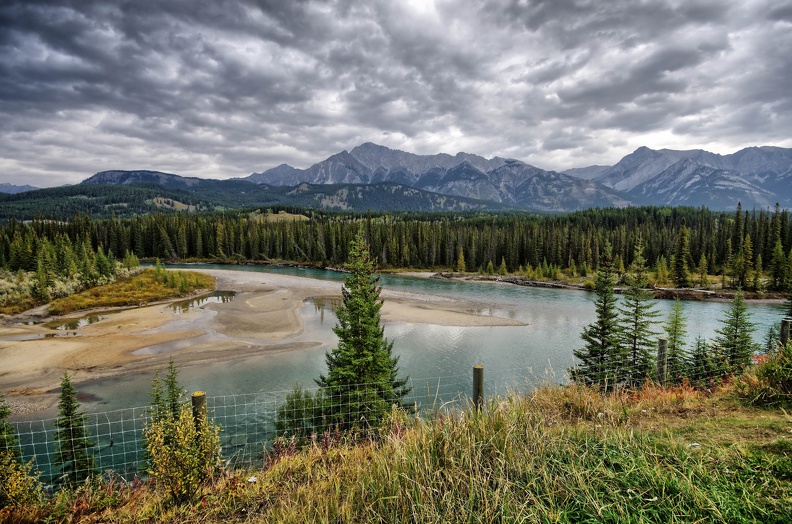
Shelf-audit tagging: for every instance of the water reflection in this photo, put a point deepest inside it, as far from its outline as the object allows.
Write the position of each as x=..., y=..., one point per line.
x=70, y=324
x=322, y=304
x=217, y=297
x=37, y=336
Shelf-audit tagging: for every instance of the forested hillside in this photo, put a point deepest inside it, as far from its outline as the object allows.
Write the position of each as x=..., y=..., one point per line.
x=752, y=248
x=124, y=200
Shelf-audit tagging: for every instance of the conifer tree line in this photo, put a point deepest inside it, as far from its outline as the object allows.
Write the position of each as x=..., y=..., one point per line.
x=683, y=246
x=620, y=345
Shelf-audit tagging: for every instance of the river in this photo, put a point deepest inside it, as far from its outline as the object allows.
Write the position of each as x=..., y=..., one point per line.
x=512, y=356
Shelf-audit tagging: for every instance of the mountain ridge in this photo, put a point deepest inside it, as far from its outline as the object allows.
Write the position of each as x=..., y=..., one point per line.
x=462, y=175
x=13, y=189
x=756, y=176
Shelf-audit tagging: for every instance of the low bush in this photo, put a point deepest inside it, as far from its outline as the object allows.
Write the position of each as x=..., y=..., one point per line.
x=184, y=453
x=149, y=286
x=770, y=381
x=19, y=485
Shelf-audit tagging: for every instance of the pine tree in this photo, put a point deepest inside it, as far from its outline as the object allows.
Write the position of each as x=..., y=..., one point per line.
x=743, y=264
x=735, y=342
x=704, y=364
x=661, y=271
x=778, y=268
x=490, y=268
x=681, y=276
x=756, y=283
x=502, y=269
x=772, y=339
x=703, y=272
x=158, y=409
x=789, y=285
x=460, y=266
x=676, y=331
x=172, y=391
x=601, y=355
x=73, y=443
x=635, y=323
x=362, y=381
x=167, y=396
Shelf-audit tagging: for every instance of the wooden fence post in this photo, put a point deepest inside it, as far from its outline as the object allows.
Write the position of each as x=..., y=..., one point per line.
x=199, y=409
x=785, y=325
x=662, y=360
x=478, y=387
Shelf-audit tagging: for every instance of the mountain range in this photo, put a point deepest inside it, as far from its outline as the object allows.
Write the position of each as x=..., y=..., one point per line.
x=755, y=176
x=14, y=189
x=377, y=178
x=509, y=183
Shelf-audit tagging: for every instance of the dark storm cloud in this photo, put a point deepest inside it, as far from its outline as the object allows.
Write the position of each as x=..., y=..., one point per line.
x=224, y=88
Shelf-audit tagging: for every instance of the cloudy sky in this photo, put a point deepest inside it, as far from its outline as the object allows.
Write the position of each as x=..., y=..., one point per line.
x=221, y=89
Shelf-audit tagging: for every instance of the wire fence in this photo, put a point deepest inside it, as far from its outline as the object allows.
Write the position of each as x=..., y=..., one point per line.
x=248, y=421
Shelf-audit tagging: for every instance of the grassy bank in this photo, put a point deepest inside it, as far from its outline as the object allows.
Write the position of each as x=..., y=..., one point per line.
x=149, y=286
x=556, y=455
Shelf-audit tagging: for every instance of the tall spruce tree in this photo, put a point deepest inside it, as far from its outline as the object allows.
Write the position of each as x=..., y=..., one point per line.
x=166, y=395
x=778, y=266
x=788, y=274
x=704, y=364
x=676, y=331
x=735, y=341
x=362, y=380
x=74, y=446
x=637, y=313
x=681, y=256
x=601, y=357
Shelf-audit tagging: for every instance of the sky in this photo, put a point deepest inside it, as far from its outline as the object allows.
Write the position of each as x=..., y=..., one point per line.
x=221, y=89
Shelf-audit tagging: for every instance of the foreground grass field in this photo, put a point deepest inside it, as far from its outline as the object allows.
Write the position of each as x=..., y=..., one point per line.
x=558, y=454
x=149, y=286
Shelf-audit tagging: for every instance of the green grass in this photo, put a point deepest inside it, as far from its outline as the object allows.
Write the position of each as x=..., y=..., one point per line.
x=555, y=455
x=149, y=286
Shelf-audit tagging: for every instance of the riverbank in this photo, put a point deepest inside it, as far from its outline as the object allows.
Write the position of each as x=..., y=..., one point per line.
x=263, y=317
x=663, y=293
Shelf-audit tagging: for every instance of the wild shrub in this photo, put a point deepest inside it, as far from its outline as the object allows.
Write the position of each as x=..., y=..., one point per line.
x=92, y=496
x=770, y=382
x=19, y=484
x=185, y=453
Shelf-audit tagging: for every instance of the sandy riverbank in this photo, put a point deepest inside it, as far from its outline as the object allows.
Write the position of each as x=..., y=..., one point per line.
x=264, y=316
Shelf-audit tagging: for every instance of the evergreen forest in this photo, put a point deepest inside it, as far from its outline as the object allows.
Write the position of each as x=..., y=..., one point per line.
x=681, y=246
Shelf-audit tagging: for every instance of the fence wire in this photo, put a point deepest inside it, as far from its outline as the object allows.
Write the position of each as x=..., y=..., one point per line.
x=247, y=423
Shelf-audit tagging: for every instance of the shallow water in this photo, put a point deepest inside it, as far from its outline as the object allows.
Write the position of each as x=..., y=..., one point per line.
x=74, y=323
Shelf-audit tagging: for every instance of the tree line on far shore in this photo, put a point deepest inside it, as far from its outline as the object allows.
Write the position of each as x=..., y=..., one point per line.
x=683, y=247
